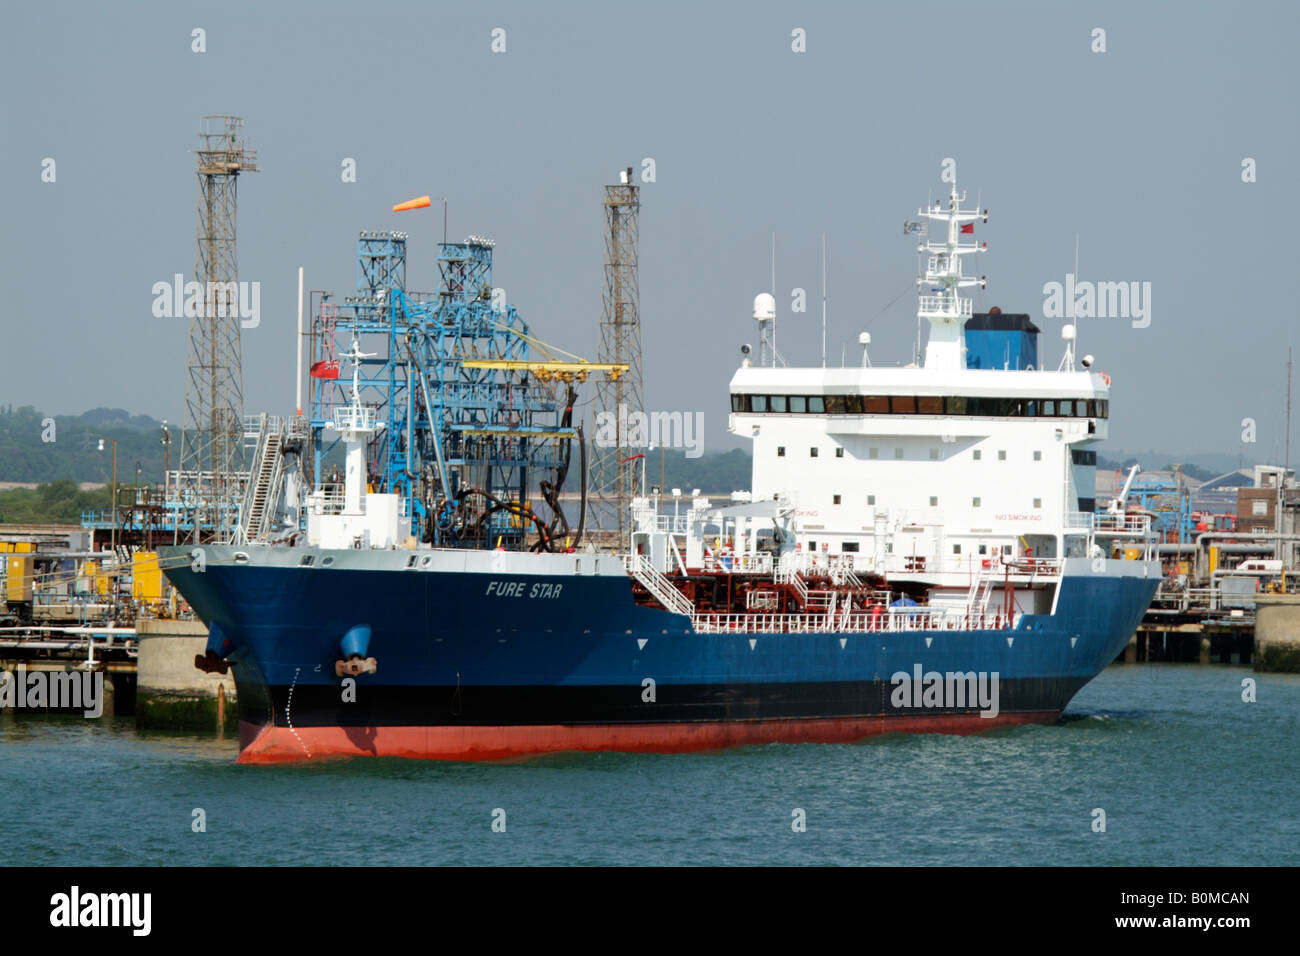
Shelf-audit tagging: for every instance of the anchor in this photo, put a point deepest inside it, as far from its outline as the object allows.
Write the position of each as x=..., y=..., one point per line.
x=213, y=660
x=354, y=645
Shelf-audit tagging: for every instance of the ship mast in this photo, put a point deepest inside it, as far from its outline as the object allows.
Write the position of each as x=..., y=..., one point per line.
x=947, y=311
x=355, y=424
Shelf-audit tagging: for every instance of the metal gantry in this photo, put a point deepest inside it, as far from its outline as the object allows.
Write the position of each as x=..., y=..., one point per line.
x=212, y=466
x=615, y=476
x=474, y=436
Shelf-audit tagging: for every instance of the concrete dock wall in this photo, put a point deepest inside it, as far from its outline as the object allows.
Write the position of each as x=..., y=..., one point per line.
x=1277, y=633
x=173, y=694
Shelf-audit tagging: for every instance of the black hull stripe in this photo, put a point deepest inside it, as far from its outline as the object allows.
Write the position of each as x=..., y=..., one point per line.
x=405, y=706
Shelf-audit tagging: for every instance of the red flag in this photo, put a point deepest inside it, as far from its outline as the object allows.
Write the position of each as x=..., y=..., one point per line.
x=969, y=227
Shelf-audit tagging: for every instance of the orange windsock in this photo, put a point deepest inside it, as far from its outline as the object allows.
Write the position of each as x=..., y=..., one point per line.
x=412, y=204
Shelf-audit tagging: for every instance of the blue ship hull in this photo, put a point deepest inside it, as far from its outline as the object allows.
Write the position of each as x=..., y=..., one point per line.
x=486, y=665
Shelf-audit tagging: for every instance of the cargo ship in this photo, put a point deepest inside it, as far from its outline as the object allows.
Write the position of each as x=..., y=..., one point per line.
x=920, y=549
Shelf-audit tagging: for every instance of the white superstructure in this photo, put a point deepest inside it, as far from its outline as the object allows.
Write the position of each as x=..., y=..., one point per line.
x=933, y=473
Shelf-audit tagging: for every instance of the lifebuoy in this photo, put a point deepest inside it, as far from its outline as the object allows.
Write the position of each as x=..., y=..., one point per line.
x=1105, y=378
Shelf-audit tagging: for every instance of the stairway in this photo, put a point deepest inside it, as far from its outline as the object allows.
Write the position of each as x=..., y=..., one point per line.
x=977, y=602
x=639, y=566
x=263, y=483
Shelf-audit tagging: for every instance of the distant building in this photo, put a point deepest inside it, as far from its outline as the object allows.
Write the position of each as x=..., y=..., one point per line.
x=1257, y=507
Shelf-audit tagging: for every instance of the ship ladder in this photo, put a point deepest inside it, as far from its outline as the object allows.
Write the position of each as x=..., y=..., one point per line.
x=981, y=589
x=658, y=585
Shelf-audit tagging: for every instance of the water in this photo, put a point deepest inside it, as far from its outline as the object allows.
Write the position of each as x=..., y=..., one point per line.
x=1186, y=773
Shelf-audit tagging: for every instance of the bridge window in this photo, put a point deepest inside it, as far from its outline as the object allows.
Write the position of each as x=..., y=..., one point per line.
x=988, y=407
x=977, y=454
x=812, y=452
x=839, y=452
x=780, y=451
x=835, y=499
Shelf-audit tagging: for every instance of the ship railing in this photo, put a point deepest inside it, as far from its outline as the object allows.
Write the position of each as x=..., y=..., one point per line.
x=941, y=305
x=807, y=562
x=1136, y=525
x=1033, y=567
x=973, y=566
x=894, y=620
x=1078, y=521
x=360, y=417
x=673, y=524
x=760, y=563
x=330, y=499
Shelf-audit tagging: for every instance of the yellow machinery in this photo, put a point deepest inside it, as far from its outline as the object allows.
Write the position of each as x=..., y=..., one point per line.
x=146, y=576
x=18, y=578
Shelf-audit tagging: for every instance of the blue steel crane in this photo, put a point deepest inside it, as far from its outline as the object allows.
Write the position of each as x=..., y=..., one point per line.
x=477, y=437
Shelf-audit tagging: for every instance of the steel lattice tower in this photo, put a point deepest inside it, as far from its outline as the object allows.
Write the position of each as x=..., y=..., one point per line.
x=614, y=479
x=212, y=456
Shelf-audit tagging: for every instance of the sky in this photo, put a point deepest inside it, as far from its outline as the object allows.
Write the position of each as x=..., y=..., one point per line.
x=1139, y=151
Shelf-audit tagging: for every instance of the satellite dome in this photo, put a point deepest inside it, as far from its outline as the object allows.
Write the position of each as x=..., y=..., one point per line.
x=764, y=306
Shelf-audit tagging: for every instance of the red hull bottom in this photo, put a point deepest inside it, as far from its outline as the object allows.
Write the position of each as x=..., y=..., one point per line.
x=267, y=744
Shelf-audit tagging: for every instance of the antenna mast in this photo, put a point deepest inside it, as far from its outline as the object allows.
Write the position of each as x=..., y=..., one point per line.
x=1287, y=463
x=943, y=307
x=823, y=300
